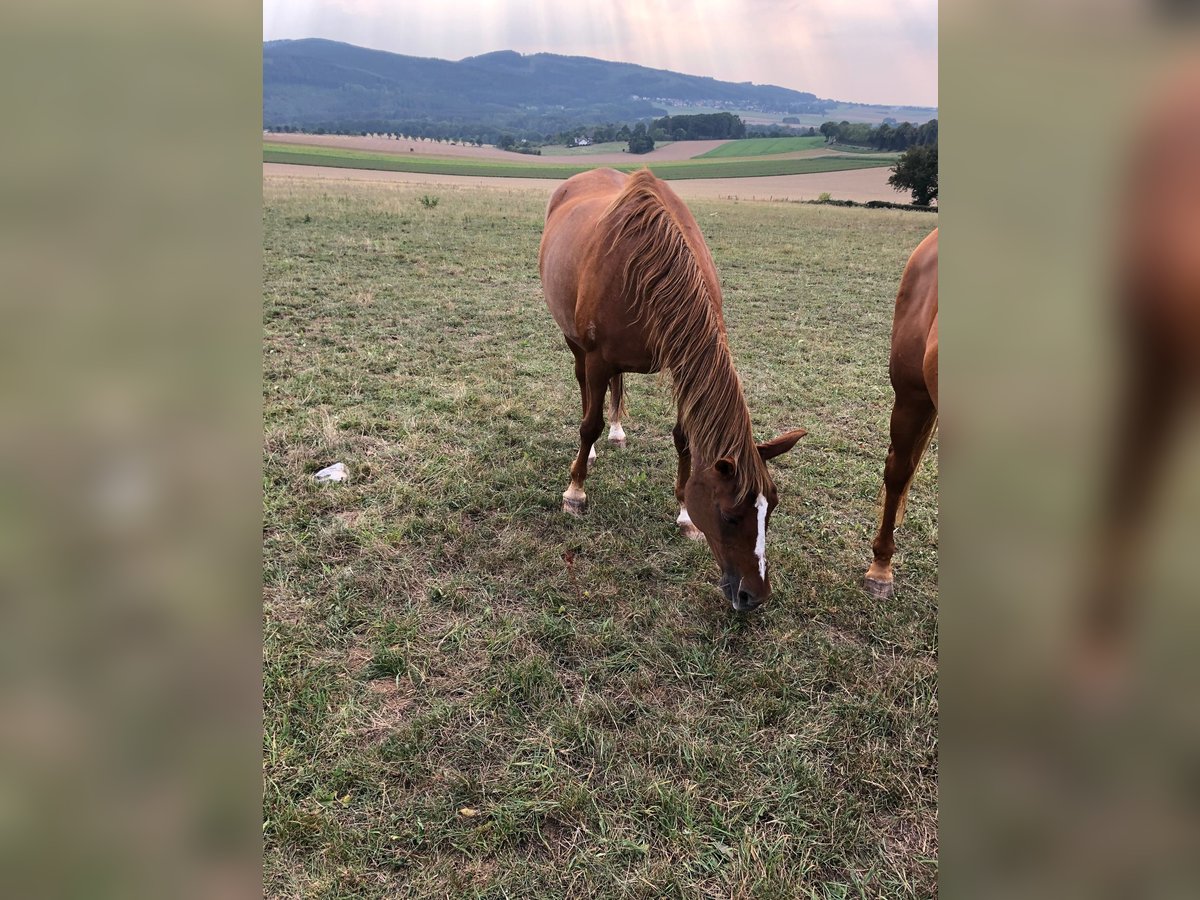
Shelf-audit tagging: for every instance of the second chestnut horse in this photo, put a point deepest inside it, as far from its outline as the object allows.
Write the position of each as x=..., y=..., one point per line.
x=913, y=366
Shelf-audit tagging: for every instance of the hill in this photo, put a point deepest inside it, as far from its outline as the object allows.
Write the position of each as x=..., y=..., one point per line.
x=315, y=84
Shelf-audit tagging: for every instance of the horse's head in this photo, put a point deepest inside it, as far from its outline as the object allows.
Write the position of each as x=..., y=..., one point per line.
x=735, y=523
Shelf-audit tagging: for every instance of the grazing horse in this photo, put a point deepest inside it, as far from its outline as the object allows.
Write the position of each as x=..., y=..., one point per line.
x=629, y=280
x=913, y=366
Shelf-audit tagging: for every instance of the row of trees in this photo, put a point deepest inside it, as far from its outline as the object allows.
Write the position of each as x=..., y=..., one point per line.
x=881, y=137
x=596, y=134
x=388, y=135
x=642, y=136
x=410, y=130
x=777, y=131
x=699, y=127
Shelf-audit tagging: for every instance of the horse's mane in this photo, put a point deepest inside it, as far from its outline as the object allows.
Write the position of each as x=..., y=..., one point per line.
x=686, y=333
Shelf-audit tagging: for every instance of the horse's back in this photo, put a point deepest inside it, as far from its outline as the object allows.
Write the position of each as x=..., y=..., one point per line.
x=601, y=226
x=914, y=325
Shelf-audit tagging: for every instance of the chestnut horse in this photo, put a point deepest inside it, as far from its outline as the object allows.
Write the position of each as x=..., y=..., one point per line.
x=1157, y=305
x=913, y=366
x=629, y=280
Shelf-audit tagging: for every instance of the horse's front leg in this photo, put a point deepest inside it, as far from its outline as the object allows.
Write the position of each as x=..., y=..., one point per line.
x=681, y=479
x=581, y=376
x=593, y=388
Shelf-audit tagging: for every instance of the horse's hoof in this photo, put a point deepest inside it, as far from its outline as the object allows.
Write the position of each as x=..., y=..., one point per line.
x=880, y=590
x=690, y=531
x=574, y=507
x=617, y=443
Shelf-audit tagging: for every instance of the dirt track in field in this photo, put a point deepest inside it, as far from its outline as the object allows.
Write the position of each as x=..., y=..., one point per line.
x=860, y=185
x=675, y=151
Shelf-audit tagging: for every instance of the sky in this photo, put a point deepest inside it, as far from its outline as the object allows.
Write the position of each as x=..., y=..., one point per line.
x=866, y=51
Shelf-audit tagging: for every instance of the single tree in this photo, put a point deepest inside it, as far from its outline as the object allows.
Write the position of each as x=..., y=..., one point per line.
x=640, y=140
x=917, y=171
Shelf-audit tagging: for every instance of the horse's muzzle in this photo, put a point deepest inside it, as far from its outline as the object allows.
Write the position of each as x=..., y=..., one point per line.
x=740, y=599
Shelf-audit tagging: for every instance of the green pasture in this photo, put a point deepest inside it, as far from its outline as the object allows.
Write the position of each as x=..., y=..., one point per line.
x=468, y=694
x=750, y=147
x=692, y=168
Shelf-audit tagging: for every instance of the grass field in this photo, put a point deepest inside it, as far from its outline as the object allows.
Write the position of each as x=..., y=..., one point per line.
x=692, y=168
x=763, y=147
x=469, y=694
x=596, y=149
x=848, y=148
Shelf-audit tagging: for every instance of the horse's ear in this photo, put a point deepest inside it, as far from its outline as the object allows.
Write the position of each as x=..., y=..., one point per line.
x=780, y=445
x=725, y=467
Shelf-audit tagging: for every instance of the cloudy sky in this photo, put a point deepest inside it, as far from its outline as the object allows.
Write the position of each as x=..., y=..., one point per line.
x=870, y=51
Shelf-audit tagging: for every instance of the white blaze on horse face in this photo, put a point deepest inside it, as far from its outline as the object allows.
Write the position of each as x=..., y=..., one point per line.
x=760, y=545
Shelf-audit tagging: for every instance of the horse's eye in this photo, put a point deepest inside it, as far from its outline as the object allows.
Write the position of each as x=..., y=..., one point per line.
x=730, y=520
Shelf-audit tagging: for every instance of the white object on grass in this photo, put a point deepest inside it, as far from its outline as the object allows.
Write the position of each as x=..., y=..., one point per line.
x=336, y=472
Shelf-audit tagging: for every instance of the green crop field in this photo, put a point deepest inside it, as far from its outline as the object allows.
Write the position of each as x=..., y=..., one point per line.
x=596, y=149
x=847, y=148
x=470, y=694
x=692, y=168
x=763, y=147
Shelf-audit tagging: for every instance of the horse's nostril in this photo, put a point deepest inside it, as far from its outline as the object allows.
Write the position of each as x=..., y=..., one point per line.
x=746, y=600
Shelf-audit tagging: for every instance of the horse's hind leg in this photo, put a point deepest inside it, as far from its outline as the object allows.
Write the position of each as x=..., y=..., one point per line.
x=913, y=418
x=681, y=479
x=595, y=382
x=616, y=410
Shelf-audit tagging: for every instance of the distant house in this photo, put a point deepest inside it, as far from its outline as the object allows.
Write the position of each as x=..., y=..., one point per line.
x=583, y=142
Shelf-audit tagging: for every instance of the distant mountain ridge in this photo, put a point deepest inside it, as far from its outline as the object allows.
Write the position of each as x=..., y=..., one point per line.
x=315, y=83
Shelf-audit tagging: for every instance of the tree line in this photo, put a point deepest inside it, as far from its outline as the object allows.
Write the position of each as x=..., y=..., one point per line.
x=888, y=136
x=699, y=127
x=642, y=136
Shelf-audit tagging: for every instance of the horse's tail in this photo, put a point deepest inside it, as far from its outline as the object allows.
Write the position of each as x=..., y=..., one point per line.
x=616, y=398
x=919, y=448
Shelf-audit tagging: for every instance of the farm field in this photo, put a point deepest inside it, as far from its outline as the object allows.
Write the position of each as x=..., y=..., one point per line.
x=469, y=694
x=865, y=151
x=614, y=151
x=764, y=147
x=607, y=148
x=861, y=185
x=701, y=168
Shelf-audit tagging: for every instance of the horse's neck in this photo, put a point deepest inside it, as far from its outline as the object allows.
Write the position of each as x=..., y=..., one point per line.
x=712, y=406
